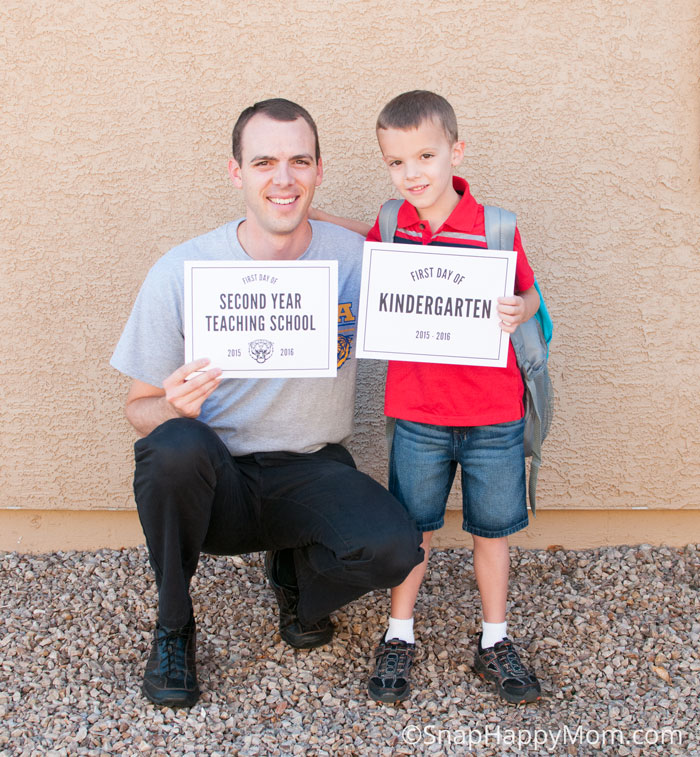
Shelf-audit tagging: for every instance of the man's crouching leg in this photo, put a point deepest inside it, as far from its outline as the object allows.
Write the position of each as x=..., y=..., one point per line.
x=174, y=486
x=379, y=545
x=279, y=568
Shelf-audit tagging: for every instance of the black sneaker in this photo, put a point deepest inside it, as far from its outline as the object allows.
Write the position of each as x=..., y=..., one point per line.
x=390, y=680
x=501, y=664
x=292, y=630
x=171, y=671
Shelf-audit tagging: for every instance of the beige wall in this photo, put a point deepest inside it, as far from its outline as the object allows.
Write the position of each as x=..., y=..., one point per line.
x=48, y=530
x=583, y=117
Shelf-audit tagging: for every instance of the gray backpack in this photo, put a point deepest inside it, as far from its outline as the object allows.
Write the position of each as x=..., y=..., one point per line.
x=530, y=340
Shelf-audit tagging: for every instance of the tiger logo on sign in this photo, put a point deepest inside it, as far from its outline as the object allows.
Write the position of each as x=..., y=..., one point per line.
x=260, y=350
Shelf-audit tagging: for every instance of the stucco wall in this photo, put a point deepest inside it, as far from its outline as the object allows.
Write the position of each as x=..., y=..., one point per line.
x=583, y=117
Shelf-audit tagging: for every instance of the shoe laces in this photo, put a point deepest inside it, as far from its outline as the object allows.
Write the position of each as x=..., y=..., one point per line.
x=173, y=647
x=509, y=659
x=395, y=658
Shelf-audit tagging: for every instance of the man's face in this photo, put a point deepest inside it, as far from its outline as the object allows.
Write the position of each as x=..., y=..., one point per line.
x=420, y=163
x=278, y=173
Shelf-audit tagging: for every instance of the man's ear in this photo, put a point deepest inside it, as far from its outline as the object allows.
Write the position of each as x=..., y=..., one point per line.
x=234, y=171
x=319, y=172
x=457, y=153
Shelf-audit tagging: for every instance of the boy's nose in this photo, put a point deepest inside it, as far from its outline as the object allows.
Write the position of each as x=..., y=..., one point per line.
x=412, y=170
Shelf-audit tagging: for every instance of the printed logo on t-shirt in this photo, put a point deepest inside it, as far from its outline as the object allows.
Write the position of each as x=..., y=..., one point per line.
x=346, y=331
x=345, y=313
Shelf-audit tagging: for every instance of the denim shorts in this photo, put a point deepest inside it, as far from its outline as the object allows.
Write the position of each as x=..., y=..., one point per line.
x=422, y=468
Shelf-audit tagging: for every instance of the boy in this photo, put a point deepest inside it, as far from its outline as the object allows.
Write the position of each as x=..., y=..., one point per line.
x=449, y=414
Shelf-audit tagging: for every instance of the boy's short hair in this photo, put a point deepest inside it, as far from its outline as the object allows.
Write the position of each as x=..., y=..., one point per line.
x=278, y=109
x=409, y=110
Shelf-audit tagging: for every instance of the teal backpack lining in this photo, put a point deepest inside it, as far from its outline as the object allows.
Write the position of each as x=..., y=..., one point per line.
x=530, y=340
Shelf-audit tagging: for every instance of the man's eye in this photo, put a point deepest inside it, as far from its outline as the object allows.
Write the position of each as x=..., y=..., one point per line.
x=261, y=164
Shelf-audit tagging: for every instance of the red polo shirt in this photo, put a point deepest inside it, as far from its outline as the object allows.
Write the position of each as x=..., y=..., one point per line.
x=454, y=395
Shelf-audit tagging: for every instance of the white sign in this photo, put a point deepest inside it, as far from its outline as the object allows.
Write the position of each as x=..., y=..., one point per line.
x=256, y=319
x=434, y=304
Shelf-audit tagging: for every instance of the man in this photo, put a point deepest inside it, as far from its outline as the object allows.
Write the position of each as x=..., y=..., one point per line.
x=241, y=465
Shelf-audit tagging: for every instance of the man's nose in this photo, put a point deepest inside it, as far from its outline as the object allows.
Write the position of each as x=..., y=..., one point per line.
x=283, y=175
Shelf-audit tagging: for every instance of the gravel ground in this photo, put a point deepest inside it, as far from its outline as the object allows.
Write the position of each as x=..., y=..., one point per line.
x=613, y=634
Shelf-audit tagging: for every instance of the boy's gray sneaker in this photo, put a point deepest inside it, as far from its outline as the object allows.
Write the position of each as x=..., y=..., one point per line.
x=390, y=683
x=501, y=664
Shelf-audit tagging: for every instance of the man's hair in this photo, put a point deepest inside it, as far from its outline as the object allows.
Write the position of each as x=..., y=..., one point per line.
x=411, y=109
x=278, y=109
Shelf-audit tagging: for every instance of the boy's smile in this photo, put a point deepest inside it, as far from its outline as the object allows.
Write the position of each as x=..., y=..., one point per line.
x=420, y=163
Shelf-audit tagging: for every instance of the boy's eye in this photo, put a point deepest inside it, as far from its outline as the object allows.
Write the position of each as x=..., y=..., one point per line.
x=427, y=155
x=393, y=163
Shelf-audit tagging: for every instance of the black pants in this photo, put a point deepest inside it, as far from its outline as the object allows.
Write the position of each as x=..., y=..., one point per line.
x=348, y=534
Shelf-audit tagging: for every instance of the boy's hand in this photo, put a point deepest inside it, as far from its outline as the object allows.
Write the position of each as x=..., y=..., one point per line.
x=517, y=309
x=512, y=312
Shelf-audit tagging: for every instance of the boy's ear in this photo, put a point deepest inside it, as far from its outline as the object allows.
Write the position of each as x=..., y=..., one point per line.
x=457, y=153
x=234, y=171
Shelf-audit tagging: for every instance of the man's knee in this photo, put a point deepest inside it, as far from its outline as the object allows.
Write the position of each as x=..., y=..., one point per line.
x=388, y=556
x=174, y=449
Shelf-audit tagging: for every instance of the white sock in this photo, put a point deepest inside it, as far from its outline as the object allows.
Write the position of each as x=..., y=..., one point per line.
x=400, y=629
x=491, y=633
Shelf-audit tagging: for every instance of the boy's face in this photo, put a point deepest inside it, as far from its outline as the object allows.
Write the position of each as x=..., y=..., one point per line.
x=278, y=173
x=420, y=163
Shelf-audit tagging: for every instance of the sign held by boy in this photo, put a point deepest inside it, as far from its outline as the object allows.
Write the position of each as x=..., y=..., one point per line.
x=434, y=306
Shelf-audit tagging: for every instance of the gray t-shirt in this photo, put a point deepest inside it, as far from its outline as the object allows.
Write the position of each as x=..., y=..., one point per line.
x=250, y=415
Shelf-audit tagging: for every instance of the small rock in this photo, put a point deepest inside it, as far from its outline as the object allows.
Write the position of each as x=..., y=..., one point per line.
x=662, y=673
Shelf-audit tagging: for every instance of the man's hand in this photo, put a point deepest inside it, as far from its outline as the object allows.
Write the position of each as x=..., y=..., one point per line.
x=187, y=397
x=148, y=406
x=517, y=309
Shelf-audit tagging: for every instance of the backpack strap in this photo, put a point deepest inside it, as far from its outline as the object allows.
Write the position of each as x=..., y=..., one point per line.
x=388, y=222
x=499, y=224
x=500, y=235
x=531, y=352
x=389, y=219
x=536, y=449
